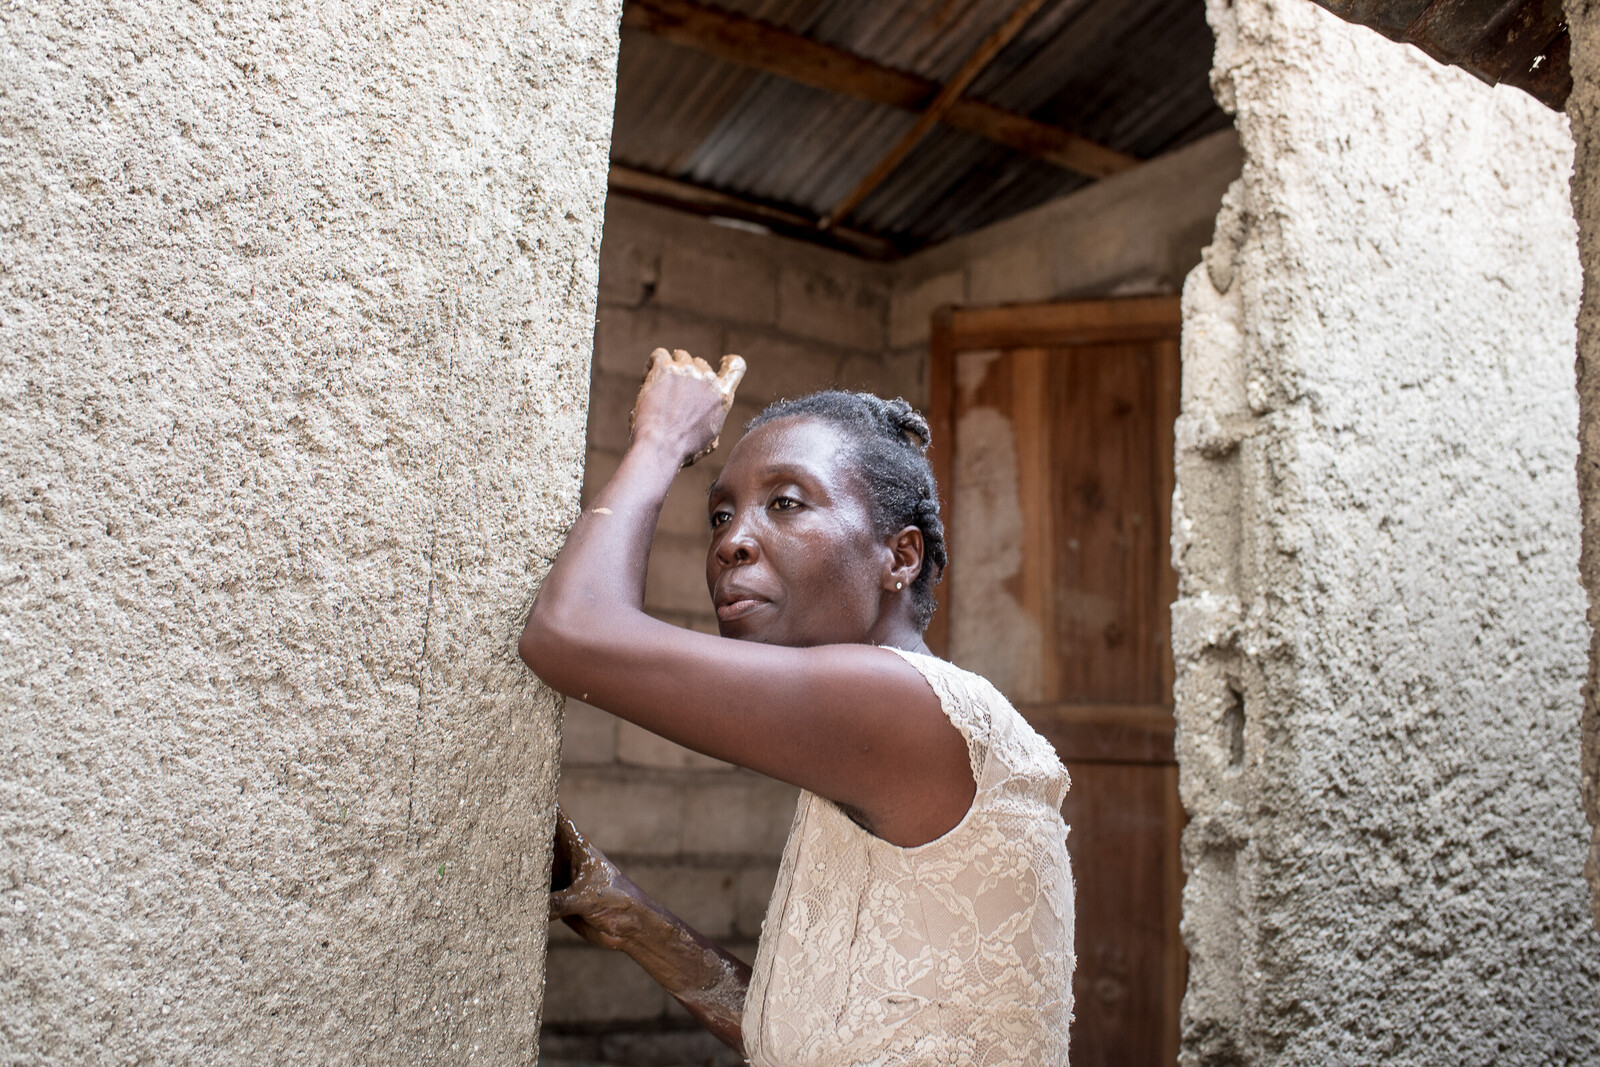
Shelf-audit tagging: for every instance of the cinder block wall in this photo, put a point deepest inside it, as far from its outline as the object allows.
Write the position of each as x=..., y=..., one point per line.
x=1380, y=637
x=296, y=304
x=1583, y=110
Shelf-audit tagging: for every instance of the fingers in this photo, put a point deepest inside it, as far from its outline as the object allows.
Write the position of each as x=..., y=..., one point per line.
x=566, y=832
x=561, y=854
x=729, y=376
x=566, y=899
x=564, y=902
x=678, y=361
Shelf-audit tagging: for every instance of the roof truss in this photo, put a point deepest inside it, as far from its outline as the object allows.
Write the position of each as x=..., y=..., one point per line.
x=760, y=46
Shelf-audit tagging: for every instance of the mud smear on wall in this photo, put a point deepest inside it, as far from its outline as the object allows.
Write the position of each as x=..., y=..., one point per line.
x=991, y=633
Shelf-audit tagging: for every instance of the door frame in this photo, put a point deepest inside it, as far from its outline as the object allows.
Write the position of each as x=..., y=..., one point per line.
x=1075, y=322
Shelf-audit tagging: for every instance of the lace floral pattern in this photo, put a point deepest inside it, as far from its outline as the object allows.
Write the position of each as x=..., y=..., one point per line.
x=954, y=952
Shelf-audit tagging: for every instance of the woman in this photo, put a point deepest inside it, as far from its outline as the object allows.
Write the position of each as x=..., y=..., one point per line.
x=923, y=911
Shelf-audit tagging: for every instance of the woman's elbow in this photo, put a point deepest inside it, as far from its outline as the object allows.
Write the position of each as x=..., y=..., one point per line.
x=539, y=645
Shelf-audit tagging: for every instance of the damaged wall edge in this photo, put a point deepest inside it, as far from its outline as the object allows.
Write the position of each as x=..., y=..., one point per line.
x=1583, y=109
x=1376, y=533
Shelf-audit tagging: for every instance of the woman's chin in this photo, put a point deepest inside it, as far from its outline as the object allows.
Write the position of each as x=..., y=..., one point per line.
x=743, y=630
x=760, y=627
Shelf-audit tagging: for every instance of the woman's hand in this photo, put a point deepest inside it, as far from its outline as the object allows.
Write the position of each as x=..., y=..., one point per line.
x=682, y=404
x=589, y=893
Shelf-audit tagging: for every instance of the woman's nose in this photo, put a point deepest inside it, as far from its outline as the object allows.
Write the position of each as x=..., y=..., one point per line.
x=736, y=545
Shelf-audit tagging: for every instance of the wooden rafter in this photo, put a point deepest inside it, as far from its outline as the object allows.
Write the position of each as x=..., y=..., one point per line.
x=948, y=95
x=761, y=46
x=658, y=189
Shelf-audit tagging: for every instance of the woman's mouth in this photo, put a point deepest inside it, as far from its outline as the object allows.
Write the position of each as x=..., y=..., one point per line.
x=737, y=609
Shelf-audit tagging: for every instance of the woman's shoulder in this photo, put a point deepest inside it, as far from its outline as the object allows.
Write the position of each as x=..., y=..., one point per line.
x=962, y=692
x=993, y=727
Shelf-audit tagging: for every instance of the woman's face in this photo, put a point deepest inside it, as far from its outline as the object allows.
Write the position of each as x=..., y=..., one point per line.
x=794, y=558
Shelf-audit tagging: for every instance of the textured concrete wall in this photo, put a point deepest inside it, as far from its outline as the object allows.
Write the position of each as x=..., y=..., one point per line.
x=295, y=313
x=1380, y=634
x=1583, y=109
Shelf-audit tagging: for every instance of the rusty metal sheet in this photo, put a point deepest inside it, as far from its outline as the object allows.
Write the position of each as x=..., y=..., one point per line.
x=1131, y=74
x=1519, y=42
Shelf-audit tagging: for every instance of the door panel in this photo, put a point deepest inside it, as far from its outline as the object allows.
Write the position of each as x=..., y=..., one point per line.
x=1053, y=440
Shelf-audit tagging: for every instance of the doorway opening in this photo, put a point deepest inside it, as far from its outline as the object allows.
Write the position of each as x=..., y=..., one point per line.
x=1056, y=423
x=808, y=183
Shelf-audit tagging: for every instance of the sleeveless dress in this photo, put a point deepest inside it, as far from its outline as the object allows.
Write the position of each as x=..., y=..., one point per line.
x=956, y=952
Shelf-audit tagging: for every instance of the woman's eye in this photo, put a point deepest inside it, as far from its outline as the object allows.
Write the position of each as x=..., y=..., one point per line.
x=718, y=518
x=785, y=503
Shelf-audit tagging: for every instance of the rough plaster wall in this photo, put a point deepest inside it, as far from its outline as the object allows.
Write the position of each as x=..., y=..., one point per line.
x=295, y=313
x=1583, y=109
x=1379, y=635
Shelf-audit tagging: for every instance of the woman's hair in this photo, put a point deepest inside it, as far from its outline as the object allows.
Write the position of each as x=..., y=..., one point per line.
x=890, y=439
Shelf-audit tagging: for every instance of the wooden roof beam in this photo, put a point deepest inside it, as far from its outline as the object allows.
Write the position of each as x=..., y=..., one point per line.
x=685, y=196
x=948, y=95
x=761, y=46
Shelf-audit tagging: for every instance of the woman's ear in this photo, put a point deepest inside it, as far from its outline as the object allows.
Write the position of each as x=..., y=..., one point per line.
x=904, y=560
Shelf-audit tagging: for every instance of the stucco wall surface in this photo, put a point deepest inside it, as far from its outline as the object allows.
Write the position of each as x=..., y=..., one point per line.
x=1583, y=110
x=1380, y=635
x=296, y=305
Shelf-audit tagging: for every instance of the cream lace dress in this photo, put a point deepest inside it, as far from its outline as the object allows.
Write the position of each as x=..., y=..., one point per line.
x=956, y=952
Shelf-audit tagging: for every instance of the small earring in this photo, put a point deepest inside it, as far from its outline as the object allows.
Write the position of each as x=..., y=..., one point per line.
x=899, y=585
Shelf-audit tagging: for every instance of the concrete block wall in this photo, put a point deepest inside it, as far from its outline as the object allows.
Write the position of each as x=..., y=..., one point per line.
x=1583, y=110
x=296, y=304
x=1379, y=636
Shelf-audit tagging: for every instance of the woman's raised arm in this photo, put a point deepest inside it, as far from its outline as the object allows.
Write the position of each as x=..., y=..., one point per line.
x=597, y=580
x=848, y=721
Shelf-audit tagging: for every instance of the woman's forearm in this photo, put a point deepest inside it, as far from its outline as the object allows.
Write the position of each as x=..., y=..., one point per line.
x=606, y=908
x=601, y=570
x=702, y=976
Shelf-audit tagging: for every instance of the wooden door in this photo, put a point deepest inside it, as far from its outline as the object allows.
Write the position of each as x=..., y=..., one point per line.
x=1053, y=446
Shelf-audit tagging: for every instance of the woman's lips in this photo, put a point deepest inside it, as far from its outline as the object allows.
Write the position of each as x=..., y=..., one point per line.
x=737, y=609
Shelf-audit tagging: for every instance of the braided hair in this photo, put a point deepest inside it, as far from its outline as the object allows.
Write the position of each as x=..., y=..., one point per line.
x=890, y=439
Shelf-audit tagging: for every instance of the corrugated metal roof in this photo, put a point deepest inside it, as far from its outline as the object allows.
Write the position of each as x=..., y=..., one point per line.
x=1130, y=74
